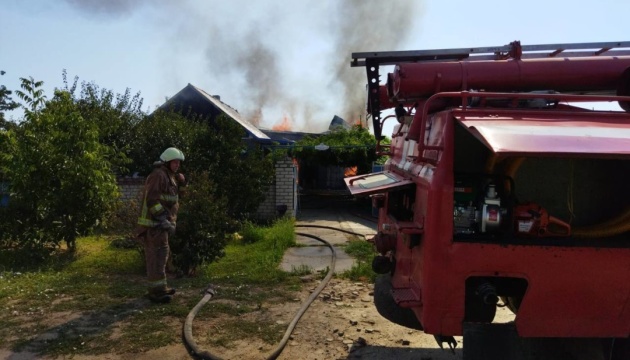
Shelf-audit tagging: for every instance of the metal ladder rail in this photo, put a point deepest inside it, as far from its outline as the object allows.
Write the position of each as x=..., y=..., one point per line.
x=360, y=59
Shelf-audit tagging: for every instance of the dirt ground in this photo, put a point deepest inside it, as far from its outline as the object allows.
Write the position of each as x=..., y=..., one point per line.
x=342, y=323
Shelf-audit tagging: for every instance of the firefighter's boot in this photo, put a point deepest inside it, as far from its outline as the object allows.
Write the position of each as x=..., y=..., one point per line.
x=161, y=294
x=160, y=299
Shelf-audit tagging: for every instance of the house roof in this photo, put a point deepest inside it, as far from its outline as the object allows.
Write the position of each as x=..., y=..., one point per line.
x=201, y=102
x=287, y=137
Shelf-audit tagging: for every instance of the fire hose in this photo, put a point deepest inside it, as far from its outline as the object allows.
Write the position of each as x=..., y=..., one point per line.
x=210, y=293
x=615, y=226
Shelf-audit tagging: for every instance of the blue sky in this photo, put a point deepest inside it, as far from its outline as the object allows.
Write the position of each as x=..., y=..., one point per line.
x=269, y=59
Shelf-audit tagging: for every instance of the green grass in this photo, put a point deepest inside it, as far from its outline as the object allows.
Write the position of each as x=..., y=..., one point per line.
x=103, y=286
x=254, y=258
x=363, y=251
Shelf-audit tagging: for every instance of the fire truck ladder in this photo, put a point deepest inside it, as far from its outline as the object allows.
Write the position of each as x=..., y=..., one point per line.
x=514, y=50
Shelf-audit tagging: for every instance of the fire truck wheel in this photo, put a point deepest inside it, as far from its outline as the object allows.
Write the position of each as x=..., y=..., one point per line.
x=387, y=307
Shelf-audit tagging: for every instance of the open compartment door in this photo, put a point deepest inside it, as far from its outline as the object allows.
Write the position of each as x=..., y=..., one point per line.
x=556, y=136
x=375, y=183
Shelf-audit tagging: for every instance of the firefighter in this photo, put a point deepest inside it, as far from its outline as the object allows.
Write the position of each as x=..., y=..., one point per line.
x=157, y=220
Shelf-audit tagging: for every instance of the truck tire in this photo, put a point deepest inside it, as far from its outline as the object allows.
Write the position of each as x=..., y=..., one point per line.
x=387, y=307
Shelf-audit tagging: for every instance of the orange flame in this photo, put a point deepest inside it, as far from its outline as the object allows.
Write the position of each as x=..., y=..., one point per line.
x=284, y=125
x=350, y=171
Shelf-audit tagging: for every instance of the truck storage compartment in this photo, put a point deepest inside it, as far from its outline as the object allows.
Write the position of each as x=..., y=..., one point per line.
x=535, y=198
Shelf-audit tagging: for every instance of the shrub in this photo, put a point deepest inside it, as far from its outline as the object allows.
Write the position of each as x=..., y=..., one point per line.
x=201, y=226
x=61, y=178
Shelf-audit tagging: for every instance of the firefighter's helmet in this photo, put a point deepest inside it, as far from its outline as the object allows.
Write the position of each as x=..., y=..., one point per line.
x=172, y=154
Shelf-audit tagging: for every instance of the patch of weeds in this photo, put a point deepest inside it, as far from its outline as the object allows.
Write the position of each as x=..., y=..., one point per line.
x=250, y=233
x=360, y=249
x=254, y=259
x=301, y=270
x=213, y=309
x=148, y=331
x=361, y=270
x=236, y=329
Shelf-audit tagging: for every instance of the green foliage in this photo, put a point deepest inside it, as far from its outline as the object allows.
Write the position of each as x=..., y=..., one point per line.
x=162, y=130
x=115, y=116
x=201, y=226
x=61, y=179
x=32, y=95
x=242, y=174
x=354, y=147
x=6, y=104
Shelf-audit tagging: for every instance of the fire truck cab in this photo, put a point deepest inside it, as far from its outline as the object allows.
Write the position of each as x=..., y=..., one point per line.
x=504, y=188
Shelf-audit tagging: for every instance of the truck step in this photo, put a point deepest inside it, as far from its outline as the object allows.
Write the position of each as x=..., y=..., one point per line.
x=406, y=297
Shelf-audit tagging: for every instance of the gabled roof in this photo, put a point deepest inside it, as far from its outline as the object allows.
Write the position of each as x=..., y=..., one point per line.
x=203, y=103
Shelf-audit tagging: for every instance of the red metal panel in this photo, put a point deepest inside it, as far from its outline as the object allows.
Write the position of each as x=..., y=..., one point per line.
x=522, y=136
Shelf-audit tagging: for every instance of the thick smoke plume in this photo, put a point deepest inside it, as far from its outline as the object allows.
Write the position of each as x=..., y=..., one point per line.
x=276, y=60
x=366, y=26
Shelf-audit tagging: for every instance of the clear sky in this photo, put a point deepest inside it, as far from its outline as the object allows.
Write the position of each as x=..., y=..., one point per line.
x=270, y=59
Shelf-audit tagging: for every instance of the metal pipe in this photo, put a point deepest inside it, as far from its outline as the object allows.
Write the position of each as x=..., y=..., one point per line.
x=420, y=80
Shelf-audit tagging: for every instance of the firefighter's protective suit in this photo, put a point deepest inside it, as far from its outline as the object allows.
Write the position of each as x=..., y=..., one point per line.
x=158, y=218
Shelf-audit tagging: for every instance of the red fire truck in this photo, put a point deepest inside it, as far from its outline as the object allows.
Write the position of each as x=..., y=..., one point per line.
x=504, y=187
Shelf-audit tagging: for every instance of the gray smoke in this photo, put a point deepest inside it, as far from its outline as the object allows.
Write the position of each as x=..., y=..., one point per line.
x=367, y=26
x=254, y=51
x=112, y=7
x=250, y=62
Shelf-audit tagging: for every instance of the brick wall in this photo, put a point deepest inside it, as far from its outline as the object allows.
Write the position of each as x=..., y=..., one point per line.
x=282, y=192
x=131, y=188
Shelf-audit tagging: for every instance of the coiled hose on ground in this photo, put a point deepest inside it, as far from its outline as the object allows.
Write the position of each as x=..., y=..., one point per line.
x=210, y=292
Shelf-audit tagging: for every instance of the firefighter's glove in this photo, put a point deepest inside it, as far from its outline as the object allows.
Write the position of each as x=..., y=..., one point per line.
x=167, y=226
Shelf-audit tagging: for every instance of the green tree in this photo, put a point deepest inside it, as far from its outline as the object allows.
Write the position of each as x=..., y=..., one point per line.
x=62, y=183
x=242, y=172
x=161, y=130
x=115, y=115
x=6, y=104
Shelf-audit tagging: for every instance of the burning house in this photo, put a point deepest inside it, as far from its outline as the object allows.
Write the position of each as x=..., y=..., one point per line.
x=289, y=181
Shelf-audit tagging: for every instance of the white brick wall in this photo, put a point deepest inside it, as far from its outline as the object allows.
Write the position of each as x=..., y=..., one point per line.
x=131, y=188
x=282, y=192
